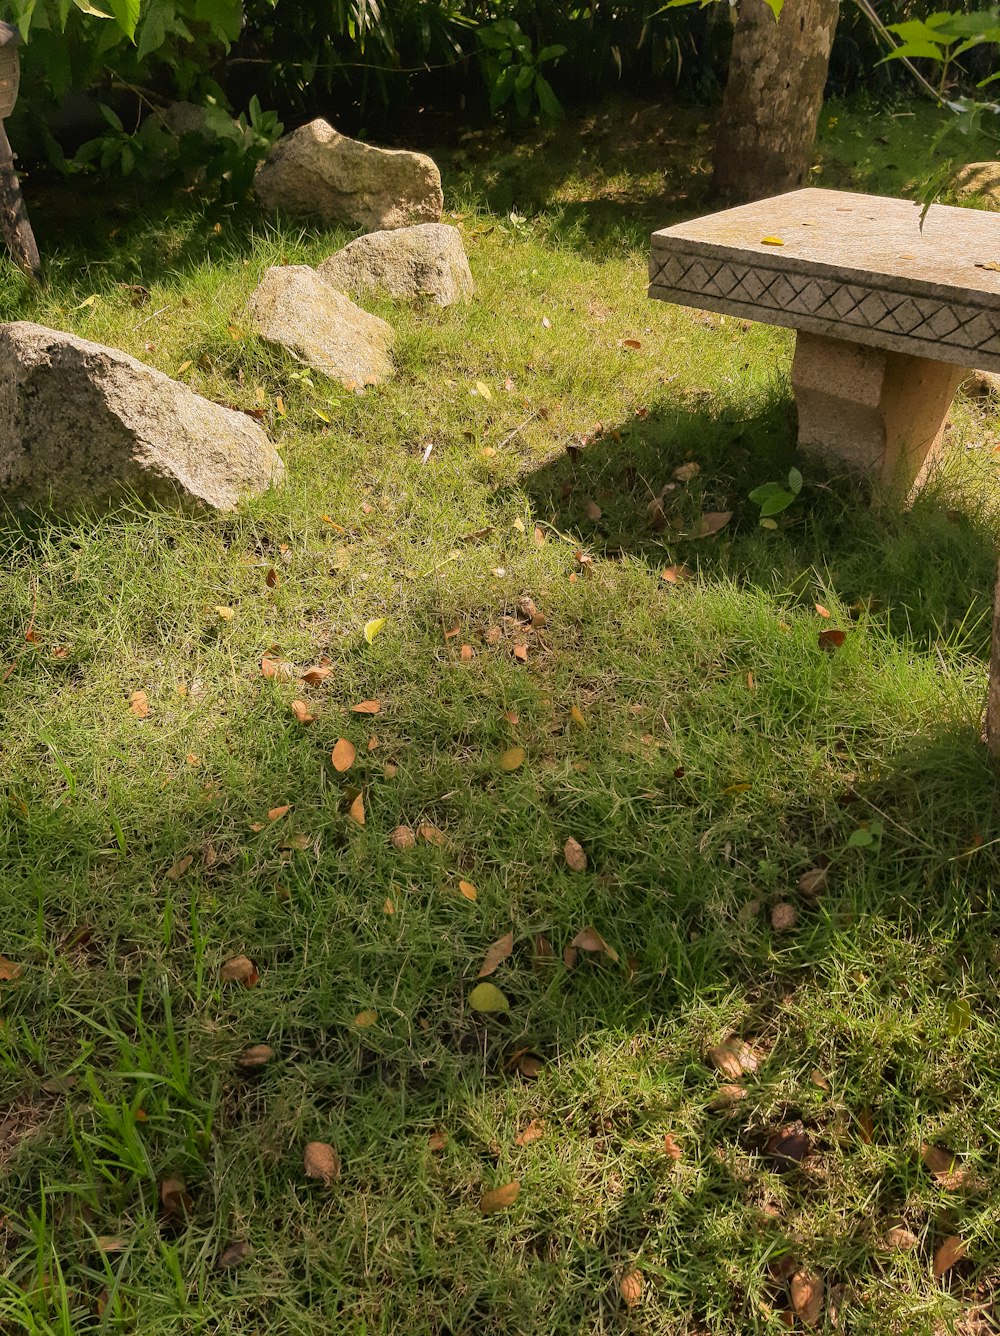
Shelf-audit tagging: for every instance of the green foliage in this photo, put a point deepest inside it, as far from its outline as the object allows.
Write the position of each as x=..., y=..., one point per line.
x=513, y=70
x=775, y=497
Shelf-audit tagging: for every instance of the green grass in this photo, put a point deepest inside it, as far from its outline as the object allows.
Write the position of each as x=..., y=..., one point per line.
x=723, y=754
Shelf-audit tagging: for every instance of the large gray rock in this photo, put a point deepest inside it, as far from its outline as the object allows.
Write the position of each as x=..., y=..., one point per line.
x=978, y=178
x=318, y=172
x=82, y=425
x=295, y=309
x=427, y=260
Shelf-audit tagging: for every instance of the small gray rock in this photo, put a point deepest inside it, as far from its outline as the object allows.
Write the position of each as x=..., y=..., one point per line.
x=427, y=260
x=82, y=426
x=295, y=309
x=318, y=172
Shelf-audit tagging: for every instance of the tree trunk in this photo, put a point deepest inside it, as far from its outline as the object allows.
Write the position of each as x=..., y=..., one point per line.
x=14, y=221
x=774, y=94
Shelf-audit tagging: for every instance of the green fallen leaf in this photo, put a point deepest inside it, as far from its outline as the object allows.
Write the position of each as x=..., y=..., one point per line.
x=959, y=1016
x=372, y=628
x=488, y=997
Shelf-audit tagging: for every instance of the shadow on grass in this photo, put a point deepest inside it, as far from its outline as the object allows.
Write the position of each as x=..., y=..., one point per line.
x=926, y=573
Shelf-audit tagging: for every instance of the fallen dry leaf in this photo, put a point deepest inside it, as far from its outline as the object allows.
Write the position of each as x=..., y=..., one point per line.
x=544, y=949
x=402, y=838
x=468, y=890
x=276, y=813
x=533, y=1132
x=356, y=811
x=576, y=859
x=486, y=997
x=388, y=907
x=630, y=1287
x=685, y=472
x=814, y=881
x=788, y=1146
x=945, y=1165
x=821, y=611
x=302, y=712
x=496, y=955
x=733, y=1058
x=271, y=578
x=498, y=1199
x=315, y=673
x=900, y=1238
x=9, y=970
x=711, y=522
x=224, y=613
x=577, y=716
x=437, y=1140
x=240, y=969
x=343, y=755
x=594, y=511
x=364, y=1020
x=175, y=1197
x=180, y=867
x=726, y=1097
x=570, y=956
x=277, y=670
x=367, y=707
x=806, y=1289
x=947, y=1254
x=255, y=1057
x=233, y=1254
x=321, y=1161
x=431, y=835
x=674, y=574
x=111, y=1243
x=466, y=653
x=138, y=704
x=783, y=917
x=831, y=640
x=589, y=939
x=521, y=653
x=671, y=1147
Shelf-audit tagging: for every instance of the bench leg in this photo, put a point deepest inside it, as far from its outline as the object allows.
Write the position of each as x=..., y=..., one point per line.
x=881, y=413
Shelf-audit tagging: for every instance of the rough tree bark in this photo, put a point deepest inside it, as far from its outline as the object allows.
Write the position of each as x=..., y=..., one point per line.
x=774, y=93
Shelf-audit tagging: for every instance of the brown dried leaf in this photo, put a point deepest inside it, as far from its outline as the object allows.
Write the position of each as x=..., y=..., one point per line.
x=789, y=1145
x=431, y=835
x=364, y=1020
x=402, y=838
x=175, y=1198
x=179, y=868
x=831, y=640
x=240, y=969
x=437, y=1140
x=302, y=712
x=945, y=1165
x=343, y=755
x=784, y=917
x=947, y=1254
x=276, y=813
x=468, y=890
x=711, y=522
x=685, y=472
x=594, y=511
x=570, y=956
x=533, y=1132
x=733, y=1058
x=675, y=574
x=255, y=1057
x=589, y=939
x=900, y=1238
x=315, y=673
x=806, y=1289
x=278, y=670
x=631, y=1286
x=576, y=859
x=726, y=1097
x=498, y=1199
x=233, y=1254
x=671, y=1147
x=496, y=955
x=544, y=949
x=356, y=811
x=9, y=970
x=138, y=704
x=111, y=1243
x=321, y=1161
x=814, y=881
x=466, y=653
x=521, y=653
x=367, y=707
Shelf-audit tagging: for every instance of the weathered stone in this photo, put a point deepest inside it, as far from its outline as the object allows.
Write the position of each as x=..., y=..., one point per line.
x=294, y=308
x=317, y=172
x=427, y=260
x=980, y=384
x=82, y=426
x=978, y=178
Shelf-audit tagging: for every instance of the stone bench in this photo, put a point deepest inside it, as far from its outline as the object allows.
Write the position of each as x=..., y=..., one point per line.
x=890, y=316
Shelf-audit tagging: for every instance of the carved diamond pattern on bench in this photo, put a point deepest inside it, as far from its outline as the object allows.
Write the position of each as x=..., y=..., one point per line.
x=923, y=319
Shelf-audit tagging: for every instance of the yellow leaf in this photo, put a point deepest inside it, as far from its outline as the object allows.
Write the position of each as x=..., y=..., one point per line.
x=576, y=714
x=87, y=301
x=771, y=241
x=364, y=1019
x=185, y=366
x=468, y=890
x=483, y=390
x=498, y=1199
x=512, y=758
x=372, y=628
x=224, y=614
x=488, y=998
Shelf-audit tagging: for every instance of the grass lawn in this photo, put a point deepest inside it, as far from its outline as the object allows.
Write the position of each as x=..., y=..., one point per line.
x=786, y=847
